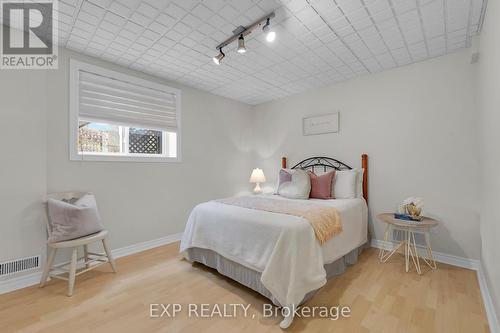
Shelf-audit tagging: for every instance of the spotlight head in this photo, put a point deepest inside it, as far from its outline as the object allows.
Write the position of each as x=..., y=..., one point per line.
x=218, y=58
x=241, y=45
x=270, y=35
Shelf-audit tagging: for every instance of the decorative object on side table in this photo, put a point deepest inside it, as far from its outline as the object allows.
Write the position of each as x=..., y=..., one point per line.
x=410, y=209
x=257, y=177
x=406, y=231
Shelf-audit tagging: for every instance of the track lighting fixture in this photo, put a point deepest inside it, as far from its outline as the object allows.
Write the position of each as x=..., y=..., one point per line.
x=218, y=58
x=241, y=32
x=241, y=45
x=270, y=35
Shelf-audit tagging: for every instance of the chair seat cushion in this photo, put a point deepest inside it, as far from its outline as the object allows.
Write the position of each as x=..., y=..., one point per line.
x=81, y=240
x=70, y=221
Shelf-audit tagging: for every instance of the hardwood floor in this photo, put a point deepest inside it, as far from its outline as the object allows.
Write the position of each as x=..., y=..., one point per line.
x=382, y=297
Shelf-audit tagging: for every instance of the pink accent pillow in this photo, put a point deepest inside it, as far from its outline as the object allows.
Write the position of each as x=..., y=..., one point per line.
x=321, y=186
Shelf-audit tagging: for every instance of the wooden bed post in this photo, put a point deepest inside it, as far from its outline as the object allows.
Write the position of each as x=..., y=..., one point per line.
x=283, y=162
x=364, y=165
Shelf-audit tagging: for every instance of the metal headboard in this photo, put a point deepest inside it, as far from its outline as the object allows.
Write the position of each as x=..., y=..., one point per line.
x=312, y=163
x=326, y=163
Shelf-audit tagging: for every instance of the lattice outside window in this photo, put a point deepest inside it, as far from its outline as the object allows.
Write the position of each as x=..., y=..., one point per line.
x=143, y=141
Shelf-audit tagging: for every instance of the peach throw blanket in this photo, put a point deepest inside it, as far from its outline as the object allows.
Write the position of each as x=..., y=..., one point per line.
x=324, y=220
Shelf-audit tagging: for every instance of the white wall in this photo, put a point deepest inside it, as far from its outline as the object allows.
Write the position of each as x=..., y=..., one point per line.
x=419, y=128
x=22, y=163
x=489, y=106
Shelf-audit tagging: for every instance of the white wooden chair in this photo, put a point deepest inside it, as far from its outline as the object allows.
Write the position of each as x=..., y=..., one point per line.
x=90, y=260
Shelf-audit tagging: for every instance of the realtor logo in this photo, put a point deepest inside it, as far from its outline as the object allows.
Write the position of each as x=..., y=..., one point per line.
x=29, y=33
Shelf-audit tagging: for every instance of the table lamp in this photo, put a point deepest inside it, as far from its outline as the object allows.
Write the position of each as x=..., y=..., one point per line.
x=257, y=177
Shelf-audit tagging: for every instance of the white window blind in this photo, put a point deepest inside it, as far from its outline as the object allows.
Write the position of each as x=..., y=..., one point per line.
x=112, y=100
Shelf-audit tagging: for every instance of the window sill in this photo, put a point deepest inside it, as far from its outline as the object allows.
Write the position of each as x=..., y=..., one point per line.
x=123, y=158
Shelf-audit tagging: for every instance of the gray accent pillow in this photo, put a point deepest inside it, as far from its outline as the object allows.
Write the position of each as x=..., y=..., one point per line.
x=69, y=221
x=298, y=187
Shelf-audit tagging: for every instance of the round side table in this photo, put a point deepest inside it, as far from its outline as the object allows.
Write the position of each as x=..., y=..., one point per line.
x=408, y=229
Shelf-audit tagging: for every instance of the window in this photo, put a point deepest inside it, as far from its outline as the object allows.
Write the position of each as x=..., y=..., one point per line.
x=107, y=139
x=116, y=117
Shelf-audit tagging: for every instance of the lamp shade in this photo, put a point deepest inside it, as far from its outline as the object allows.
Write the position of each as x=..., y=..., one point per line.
x=257, y=176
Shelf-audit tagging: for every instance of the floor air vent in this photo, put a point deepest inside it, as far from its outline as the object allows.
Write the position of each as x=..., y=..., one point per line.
x=19, y=265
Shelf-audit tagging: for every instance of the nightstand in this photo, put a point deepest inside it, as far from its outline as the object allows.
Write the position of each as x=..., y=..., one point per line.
x=408, y=229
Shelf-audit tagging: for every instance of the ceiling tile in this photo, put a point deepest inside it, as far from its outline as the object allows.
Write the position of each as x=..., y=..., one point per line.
x=319, y=42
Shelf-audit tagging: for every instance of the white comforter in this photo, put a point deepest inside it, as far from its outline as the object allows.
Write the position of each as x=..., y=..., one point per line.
x=282, y=247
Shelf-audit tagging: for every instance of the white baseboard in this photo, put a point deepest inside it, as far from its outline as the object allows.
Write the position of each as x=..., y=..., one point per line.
x=488, y=302
x=20, y=282
x=139, y=247
x=31, y=279
x=473, y=264
x=438, y=256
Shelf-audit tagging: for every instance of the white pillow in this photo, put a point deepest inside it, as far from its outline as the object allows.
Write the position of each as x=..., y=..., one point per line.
x=69, y=221
x=298, y=187
x=289, y=171
x=359, y=187
x=346, y=183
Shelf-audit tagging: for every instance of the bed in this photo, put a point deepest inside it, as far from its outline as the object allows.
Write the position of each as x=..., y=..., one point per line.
x=276, y=254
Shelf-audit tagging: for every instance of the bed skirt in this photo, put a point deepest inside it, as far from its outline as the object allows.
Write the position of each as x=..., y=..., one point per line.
x=251, y=278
